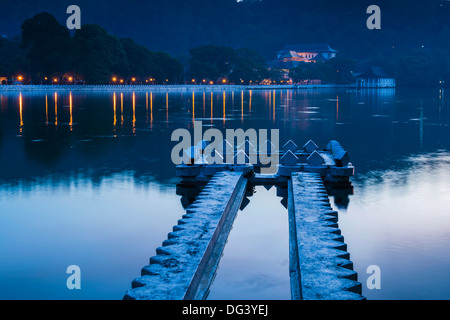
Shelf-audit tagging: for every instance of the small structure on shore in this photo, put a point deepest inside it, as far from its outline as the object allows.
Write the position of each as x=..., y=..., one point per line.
x=374, y=77
x=292, y=55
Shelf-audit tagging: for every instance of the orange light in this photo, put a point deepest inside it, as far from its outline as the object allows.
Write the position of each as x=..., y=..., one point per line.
x=121, y=80
x=46, y=78
x=133, y=79
x=55, y=80
x=211, y=82
x=224, y=80
x=193, y=80
x=204, y=80
x=114, y=79
x=70, y=79
x=20, y=78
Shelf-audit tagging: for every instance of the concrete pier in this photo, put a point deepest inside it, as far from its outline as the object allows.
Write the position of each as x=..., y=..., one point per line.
x=319, y=264
x=185, y=265
x=320, y=268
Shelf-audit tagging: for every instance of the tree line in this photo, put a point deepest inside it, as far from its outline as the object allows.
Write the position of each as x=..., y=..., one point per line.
x=47, y=53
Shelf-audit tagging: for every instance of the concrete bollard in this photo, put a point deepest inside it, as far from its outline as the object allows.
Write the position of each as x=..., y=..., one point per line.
x=315, y=159
x=268, y=147
x=310, y=147
x=289, y=159
x=241, y=158
x=227, y=147
x=193, y=153
x=340, y=156
x=290, y=146
x=247, y=147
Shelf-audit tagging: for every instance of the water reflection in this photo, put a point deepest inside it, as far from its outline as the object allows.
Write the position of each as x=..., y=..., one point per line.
x=121, y=110
x=21, y=112
x=224, y=108
x=357, y=116
x=399, y=220
x=134, y=113
x=46, y=110
x=255, y=263
x=56, y=109
x=115, y=112
x=398, y=145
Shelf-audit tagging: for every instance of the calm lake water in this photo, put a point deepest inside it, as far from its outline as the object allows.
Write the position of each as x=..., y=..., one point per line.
x=86, y=179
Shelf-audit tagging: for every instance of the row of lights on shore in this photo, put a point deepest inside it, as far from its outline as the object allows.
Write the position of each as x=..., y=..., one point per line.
x=55, y=80
x=116, y=80
x=152, y=80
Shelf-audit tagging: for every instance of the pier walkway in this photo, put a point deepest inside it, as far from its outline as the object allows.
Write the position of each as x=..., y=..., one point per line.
x=320, y=268
x=185, y=265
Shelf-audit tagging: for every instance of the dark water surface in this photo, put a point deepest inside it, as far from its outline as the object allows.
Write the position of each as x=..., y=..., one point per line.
x=87, y=179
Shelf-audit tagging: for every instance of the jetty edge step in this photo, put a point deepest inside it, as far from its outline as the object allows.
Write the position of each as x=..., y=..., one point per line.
x=185, y=265
x=320, y=266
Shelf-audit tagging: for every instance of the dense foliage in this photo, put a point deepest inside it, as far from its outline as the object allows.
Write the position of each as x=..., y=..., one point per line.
x=46, y=51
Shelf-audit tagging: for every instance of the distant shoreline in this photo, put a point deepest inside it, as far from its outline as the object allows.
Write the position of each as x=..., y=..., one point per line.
x=159, y=88
x=171, y=88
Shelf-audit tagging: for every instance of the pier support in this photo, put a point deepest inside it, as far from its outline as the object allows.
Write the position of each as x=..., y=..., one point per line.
x=320, y=268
